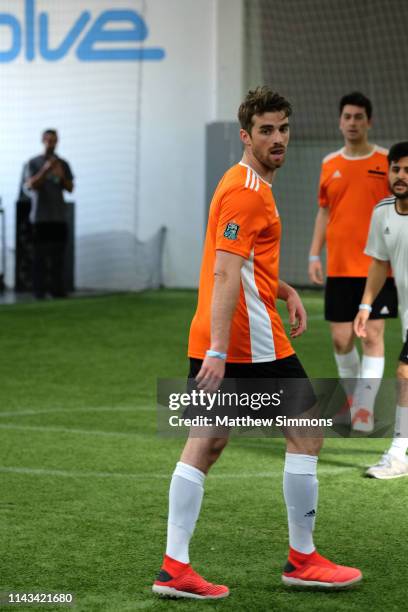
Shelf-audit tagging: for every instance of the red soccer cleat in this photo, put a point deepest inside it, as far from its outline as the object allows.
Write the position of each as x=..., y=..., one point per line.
x=315, y=571
x=177, y=579
x=363, y=420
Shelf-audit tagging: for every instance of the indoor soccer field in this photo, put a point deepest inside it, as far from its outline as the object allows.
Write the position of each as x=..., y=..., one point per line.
x=84, y=475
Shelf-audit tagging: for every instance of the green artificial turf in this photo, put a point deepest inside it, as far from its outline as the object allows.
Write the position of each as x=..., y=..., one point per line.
x=84, y=476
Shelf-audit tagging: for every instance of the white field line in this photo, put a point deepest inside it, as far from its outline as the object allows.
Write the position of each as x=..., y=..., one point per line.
x=155, y=476
x=87, y=432
x=146, y=408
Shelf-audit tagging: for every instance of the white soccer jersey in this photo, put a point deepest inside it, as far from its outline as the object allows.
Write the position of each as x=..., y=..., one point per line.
x=388, y=241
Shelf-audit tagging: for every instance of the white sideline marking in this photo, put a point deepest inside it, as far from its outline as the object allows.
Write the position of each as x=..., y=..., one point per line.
x=89, y=432
x=146, y=408
x=154, y=476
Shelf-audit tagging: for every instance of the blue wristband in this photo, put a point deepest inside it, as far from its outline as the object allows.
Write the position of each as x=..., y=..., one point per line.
x=365, y=307
x=216, y=354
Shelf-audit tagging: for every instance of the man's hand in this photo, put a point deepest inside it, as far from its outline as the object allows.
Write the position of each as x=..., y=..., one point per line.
x=360, y=323
x=211, y=374
x=297, y=314
x=49, y=165
x=316, y=272
x=58, y=170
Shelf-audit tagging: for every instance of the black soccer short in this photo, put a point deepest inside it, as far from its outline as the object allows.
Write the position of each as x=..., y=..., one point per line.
x=288, y=367
x=404, y=352
x=343, y=296
x=269, y=378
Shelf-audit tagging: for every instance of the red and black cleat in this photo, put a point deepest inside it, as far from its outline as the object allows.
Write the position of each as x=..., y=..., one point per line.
x=315, y=571
x=177, y=579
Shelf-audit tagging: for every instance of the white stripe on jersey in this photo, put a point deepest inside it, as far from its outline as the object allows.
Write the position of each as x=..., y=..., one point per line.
x=248, y=176
x=252, y=180
x=381, y=150
x=341, y=152
x=331, y=155
x=260, y=326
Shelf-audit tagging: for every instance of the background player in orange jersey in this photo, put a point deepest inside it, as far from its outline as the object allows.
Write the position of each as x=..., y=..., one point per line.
x=237, y=333
x=353, y=180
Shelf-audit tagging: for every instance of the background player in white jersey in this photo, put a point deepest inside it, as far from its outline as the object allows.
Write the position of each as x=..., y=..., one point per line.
x=388, y=244
x=353, y=180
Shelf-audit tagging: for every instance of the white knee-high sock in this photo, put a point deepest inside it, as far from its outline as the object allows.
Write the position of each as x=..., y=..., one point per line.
x=399, y=443
x=348, y=368
x=300, y=489
x=185, y=497
x=372, y=367
x=372, y=370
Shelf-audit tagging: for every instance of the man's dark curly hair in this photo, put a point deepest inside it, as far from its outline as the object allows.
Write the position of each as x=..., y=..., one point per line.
x=258, y=101
x=356, y=98
x=397, y=151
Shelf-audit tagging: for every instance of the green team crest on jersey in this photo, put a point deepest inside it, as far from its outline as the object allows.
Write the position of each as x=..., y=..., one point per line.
x=231, y=231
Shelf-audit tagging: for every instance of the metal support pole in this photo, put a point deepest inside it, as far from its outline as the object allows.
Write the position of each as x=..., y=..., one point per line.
x=3, y=247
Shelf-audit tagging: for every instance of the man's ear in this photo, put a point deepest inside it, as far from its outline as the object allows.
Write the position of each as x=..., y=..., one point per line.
x=245, y=137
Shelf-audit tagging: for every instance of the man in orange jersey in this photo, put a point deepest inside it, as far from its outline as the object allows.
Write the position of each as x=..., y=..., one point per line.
x=353, y=180
x=237, y=333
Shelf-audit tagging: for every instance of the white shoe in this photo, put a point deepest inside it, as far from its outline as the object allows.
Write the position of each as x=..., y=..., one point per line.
x=388, y=467
x=362, y=420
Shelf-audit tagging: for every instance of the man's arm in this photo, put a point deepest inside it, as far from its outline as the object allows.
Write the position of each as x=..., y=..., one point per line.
x=63, y=171
x=227, y=282
x=68, y=185
x=318, y=240
x=56, y=167
x=377, y=275
x=36, y=180
x=296, y=310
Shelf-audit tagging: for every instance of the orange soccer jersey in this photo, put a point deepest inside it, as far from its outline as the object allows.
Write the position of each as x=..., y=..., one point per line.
x=243, y=220
x=350, y=187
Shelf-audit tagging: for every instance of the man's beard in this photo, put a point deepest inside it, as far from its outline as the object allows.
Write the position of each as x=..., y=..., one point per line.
x=399, y=195
x=267, y=162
